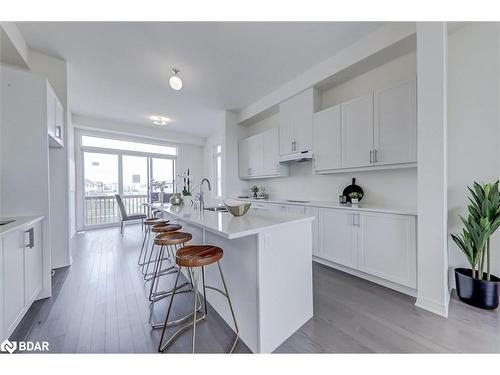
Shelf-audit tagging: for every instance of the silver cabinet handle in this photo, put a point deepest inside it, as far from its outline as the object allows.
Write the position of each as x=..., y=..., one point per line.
x=371, y=156
x=375, y=156
x=31, y=238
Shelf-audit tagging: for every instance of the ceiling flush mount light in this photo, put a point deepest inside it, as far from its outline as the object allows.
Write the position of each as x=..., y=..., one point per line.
x=175, y=81
x=160, y=120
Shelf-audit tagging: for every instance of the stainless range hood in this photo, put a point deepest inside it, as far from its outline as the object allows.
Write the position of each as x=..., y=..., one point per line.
x=296, y=156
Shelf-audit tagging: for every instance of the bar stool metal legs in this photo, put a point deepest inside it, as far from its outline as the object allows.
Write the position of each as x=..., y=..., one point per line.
x=193, y=271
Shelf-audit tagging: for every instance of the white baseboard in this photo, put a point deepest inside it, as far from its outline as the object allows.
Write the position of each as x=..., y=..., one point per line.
x=433, y=306
x=363, y=275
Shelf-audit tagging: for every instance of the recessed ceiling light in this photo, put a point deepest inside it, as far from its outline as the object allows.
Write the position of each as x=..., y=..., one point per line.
x=159, y=120
x=175, y=81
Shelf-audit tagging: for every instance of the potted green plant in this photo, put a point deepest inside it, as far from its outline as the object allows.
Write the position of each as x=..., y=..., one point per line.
x=254, y=189
x=476, y=286
x=355, y=197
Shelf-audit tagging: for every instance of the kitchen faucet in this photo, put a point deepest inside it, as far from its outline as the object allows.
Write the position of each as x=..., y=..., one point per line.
x=200, y=199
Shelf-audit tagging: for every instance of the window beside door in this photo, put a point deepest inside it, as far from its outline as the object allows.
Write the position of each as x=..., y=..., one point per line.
x=217, y=170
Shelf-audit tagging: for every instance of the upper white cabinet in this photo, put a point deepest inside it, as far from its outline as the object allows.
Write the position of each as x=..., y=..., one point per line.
x=387, y=247
x=55, y=119
x=395, y=124
x=357, y=132
x=258, y=156
x=375, y=130
x=295, y=129
x=327, y=141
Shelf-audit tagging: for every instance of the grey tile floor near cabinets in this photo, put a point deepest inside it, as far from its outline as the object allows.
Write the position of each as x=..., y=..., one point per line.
x=100, y=305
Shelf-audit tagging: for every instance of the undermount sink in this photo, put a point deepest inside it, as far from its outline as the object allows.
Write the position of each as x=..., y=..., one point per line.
x=296, y=201
x=5, y=222
x=216, y=209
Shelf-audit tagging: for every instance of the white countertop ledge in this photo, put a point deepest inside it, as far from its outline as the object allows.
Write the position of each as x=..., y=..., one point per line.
x=228, y=226
x=329, y=204
x=19, y=223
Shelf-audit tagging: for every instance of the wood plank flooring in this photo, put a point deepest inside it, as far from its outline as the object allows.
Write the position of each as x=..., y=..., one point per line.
x=99, y=305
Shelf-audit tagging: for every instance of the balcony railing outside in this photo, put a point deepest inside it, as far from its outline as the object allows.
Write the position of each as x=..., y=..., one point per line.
x=103, y=209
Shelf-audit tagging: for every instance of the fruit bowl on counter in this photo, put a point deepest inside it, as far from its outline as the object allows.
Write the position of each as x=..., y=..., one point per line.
x=237, y=208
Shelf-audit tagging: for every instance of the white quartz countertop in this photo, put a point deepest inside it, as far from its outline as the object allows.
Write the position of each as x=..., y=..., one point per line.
x=329, y=204
x=228, y=226
x=19, y=222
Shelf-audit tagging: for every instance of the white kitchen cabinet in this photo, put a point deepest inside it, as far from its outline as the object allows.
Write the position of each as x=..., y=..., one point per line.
x=338, y=237
x=270, y=151
x=55, y=119
x=33, y=262
x=357, y=132
x=13, y=280
x=21, y=258
x=258, y=156
x=395, y=124
x=296, y=116
x=387, y=247
x=243, y=158
x=327, y=140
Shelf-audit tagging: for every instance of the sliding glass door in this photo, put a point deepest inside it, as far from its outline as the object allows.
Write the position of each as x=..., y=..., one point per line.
x=101, y=183
x=139, y=172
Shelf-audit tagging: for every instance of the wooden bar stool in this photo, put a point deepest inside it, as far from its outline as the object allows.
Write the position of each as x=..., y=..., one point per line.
x=194, y=258
x=168, y=242
x=156, y=229
x=148, y=223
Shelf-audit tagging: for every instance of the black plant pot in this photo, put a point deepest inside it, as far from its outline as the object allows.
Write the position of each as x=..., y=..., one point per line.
x=478, y=293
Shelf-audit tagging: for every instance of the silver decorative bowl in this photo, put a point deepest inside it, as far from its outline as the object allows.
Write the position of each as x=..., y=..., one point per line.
x=237, y=208
x=176, y=199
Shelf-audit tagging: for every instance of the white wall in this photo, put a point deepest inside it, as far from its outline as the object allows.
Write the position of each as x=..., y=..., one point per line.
x=387, y=187
x=473, y=123
x=432, y=255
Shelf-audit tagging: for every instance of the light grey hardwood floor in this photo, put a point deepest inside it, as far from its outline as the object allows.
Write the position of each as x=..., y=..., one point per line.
x=100, y=305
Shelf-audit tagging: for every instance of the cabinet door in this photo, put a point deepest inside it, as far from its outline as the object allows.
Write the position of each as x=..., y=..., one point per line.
x=255, y=155
x=303, y=108
x=327, y=145
x=387, y=247
x=243, y=158
x=270, y=144
x=13, y=279
x=51, y=111
x=59, y=119
x=286, y=126
x=338, y=237
x=34, y=265
x=357, y=132
x=395, y=126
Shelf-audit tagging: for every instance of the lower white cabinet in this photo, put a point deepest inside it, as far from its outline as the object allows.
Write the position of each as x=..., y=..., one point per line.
x=387, y=247
x=21, y=262
x=374, y=243
x=338, y=237
x=379, y=244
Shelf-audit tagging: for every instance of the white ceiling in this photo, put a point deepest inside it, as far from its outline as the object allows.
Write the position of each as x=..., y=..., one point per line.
x=119, y=70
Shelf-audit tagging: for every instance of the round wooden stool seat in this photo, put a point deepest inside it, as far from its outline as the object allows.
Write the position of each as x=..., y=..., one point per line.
x=166, y=228
x=155, y=221
x=172, y=238
x=198, y=255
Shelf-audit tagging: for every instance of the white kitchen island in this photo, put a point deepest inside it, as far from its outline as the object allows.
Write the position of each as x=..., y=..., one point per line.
x=267, y=264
